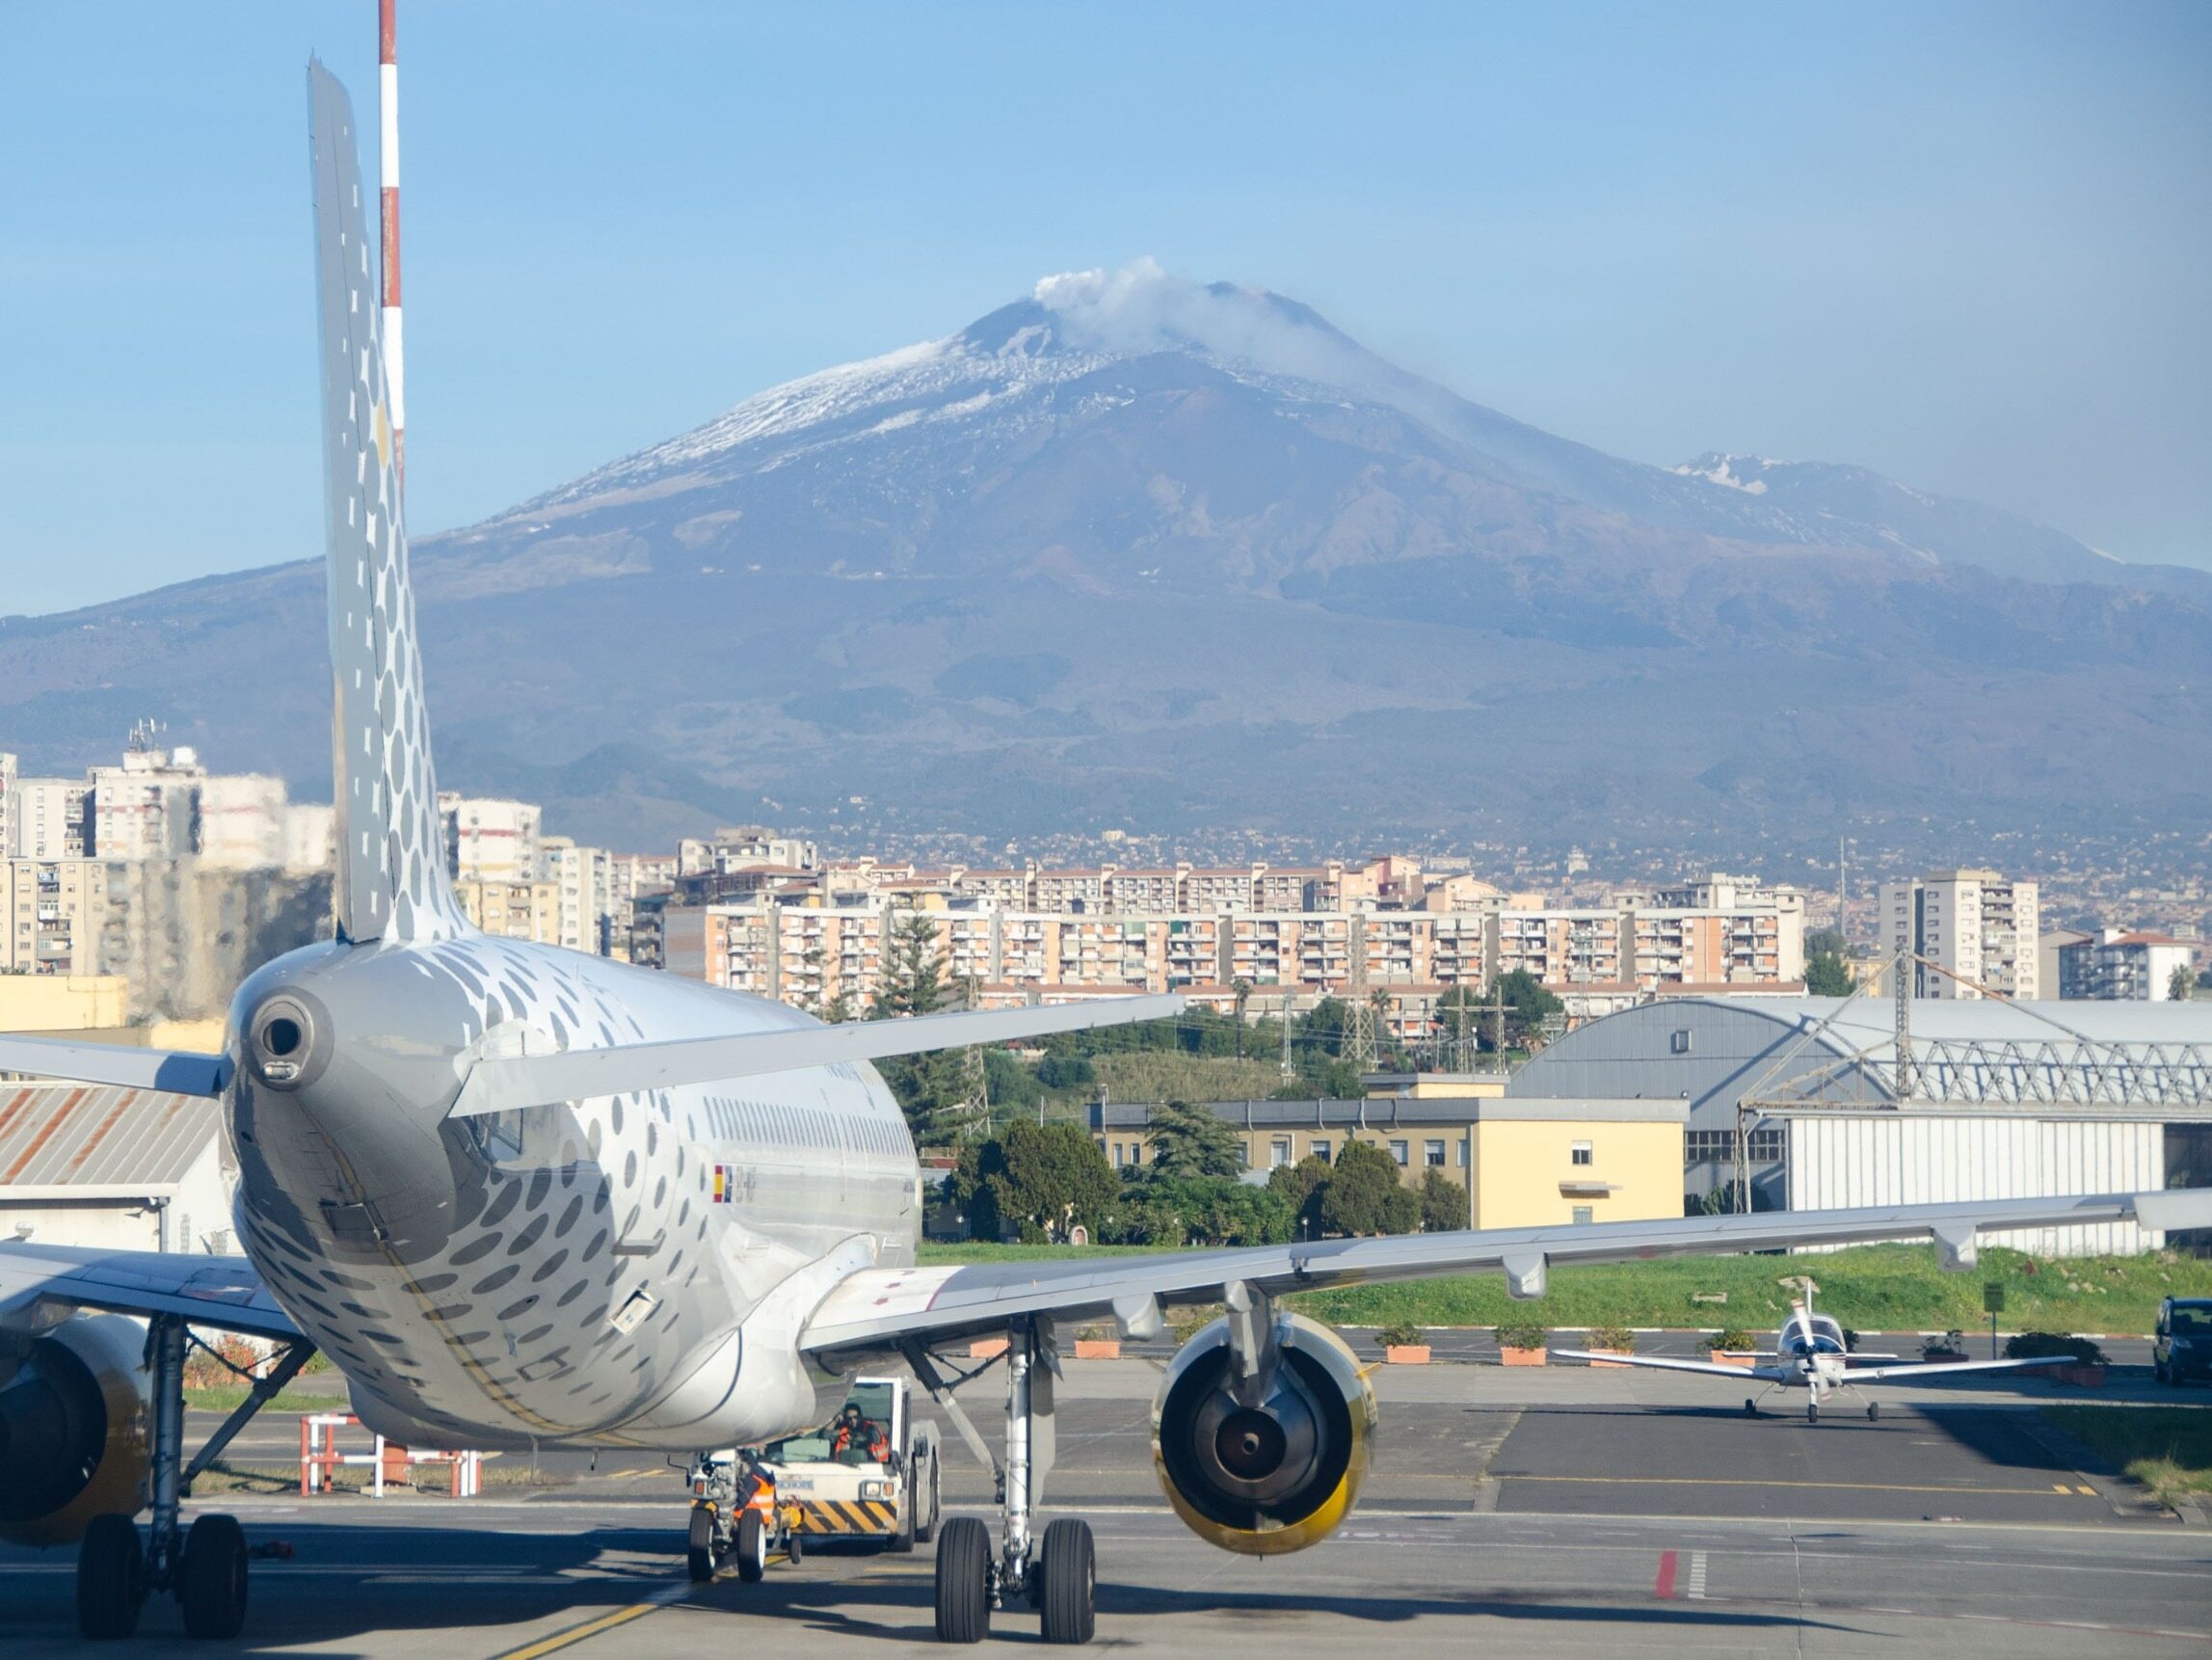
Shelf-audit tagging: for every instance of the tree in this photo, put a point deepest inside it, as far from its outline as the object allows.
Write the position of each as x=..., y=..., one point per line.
x=1364, y=1195
x=1826, y=975
x=1297, y=1183
x=1046, y=1178
x=1196, y=1210
x=1527, y=1003
x=1443, y=1202
x=1824, y=942
x=2181, y=983
x=912, y=979
x=1189, y=1140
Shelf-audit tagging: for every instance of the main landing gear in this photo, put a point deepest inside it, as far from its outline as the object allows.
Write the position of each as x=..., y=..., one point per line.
x=205, y=1566
x=1057, y=1575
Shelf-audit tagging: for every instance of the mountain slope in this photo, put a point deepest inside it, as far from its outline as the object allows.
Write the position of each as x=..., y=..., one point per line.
x=1134, y=551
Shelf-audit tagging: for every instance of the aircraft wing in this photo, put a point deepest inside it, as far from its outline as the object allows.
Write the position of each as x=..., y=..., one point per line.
x=39, y=1284
x=1667, y=1363
x=878, y=1308
x=502, y=1085
x=115, y=1063
x=1935, y=1372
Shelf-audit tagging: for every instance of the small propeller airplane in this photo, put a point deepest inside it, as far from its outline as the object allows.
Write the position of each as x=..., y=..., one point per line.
x=1811, y=1352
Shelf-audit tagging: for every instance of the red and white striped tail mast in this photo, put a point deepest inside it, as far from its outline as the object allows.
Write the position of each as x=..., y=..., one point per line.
x=388, y=169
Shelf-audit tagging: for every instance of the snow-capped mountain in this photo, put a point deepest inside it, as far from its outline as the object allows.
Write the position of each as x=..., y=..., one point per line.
x=1133, y=550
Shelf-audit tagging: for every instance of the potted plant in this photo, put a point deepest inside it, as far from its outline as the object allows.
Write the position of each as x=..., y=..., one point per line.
x=1732, y=1347
x=1097, y=1343
x=1521, y=1343
x=2076, y=1360
x=1404, y=1344
x=986, y=1349
x=1611, y=1340
x=1948, y=1349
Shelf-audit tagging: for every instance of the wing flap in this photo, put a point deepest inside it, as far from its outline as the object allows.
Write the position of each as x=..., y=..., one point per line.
x=503, y=1084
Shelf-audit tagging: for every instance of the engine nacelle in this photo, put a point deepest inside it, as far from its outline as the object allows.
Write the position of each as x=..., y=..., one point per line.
x=1273, y=1477
x=72, y=1428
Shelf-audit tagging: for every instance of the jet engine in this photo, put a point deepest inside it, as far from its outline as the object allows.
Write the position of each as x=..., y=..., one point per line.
x=1262, y=1443
x=72, y=1428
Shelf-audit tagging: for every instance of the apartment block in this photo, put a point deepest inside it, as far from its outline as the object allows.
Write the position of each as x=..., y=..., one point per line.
x=513, y=910
x=2112, y=966
x=47, y=819
x=1976, y=930
x=489, y=840
x=55, y=911
x=147, y=805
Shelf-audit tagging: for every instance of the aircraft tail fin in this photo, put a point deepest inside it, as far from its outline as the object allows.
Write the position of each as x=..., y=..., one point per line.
x=392, y=880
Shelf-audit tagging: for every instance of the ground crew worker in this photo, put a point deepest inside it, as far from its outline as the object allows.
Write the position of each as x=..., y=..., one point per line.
x=856, y=1431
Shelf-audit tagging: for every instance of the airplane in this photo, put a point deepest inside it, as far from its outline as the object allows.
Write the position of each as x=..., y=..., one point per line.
x=525, y=1197
x=1811, y=1352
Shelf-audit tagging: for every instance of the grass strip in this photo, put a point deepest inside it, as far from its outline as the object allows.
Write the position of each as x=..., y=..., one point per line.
x=1873, y=1288
x=2168, y=1449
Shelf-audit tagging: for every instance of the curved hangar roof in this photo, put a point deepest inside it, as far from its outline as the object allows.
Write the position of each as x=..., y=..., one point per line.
x=1713, y=1051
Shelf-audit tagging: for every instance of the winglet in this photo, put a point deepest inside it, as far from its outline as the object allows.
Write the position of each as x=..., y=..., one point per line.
x=391, y=881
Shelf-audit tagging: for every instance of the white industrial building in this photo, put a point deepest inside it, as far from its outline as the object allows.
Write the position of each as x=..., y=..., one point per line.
x=116, y=1169
x=2000, y=1099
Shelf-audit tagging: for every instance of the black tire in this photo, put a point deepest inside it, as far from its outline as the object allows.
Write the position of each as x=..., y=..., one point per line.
x=699, y=1549
x=964, y=1581
x=2159, y=1372
x=1750, y=1408
x=795, y=1549
x=1812, y=1411
x=926, y=1524
x=1873, y=1412
x=111, y=1578
x=752, y=1547
x=212, y=1579
x=1068, y=1582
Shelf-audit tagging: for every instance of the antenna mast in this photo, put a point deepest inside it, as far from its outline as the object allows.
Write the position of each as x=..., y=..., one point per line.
x=388, y=169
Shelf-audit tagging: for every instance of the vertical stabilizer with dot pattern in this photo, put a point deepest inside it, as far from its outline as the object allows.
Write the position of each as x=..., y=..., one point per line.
x=390, y=882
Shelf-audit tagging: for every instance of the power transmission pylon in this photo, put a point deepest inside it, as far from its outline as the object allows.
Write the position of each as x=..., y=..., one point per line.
x=1357, y=1044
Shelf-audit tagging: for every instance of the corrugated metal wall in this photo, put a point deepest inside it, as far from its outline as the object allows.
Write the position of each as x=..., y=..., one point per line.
x=1839, y=1160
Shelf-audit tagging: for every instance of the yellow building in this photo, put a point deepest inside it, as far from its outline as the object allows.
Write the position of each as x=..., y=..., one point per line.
x=1523, y=1163
x=35, y=1003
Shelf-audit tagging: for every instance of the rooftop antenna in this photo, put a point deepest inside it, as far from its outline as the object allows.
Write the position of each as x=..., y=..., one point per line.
x=388, y=169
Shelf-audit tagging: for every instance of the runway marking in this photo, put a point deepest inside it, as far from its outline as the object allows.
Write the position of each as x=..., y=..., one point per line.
x=2060, y=1488
x=1663, y=1587
x=590, y=1628
x=2087, y=1492
x=1698, y=1576
x=1750, y=1482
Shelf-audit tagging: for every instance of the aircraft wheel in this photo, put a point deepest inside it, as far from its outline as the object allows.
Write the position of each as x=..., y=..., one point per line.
x=1873, y=1412
x=699, y=1551
x=1750, y=1408
x=1812, y=1411
x=211, y=1578
x=111, y=1578
x=1070, y=1582
x=752, y=1547
x=964, y=1581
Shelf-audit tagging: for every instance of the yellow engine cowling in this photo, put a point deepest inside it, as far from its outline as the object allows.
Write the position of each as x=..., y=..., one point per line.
x=1275, y=1478
x=72, y=1428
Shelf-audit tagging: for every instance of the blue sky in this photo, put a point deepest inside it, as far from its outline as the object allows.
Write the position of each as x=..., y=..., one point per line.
x=1967, y=245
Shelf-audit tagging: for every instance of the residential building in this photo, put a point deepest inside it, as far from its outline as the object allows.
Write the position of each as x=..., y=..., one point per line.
x=521, y=910
x=489, y=840
x=2112, y=966
x=7, y=772
x=56, y=910
x=47, y=818
x=147, y=805
x=243, y=822
x=1975, y=932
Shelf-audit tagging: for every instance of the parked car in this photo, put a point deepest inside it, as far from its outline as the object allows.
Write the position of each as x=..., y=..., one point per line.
x=2181, y=1347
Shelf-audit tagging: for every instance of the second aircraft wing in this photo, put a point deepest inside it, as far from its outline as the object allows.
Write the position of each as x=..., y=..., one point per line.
x=878, y=1308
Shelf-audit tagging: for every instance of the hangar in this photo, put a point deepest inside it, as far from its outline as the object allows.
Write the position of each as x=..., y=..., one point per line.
x=113, y=1168
x=1999, y=1099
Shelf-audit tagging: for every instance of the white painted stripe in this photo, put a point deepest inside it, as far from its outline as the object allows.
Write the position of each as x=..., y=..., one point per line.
x=388, y=111
x=1697, y=1591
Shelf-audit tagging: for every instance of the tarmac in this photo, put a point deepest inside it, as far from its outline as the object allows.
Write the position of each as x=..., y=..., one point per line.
x=1561, y=1512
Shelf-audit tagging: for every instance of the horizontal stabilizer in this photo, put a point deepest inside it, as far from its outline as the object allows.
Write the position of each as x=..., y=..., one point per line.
x=500, y=1086
x=170, y=1069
